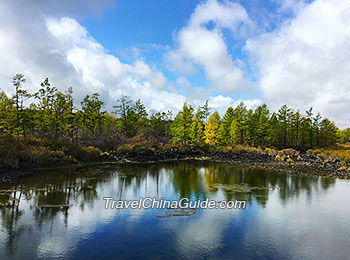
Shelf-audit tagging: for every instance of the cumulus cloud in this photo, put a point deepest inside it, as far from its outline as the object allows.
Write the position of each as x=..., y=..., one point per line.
x=43, y=46
x=305, y=62
x=221, y=103
x=198, y=45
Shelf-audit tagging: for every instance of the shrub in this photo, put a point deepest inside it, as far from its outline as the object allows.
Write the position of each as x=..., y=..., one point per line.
x=279, y=157
x=289, y=160
x=270, y=151
x=89, y=153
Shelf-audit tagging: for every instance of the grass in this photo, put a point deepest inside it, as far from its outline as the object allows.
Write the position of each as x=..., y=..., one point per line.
x=339, y=151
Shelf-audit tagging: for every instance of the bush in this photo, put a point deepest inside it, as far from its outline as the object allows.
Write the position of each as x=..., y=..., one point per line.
x=341, y=152
x=270, y=151
x=89, y=153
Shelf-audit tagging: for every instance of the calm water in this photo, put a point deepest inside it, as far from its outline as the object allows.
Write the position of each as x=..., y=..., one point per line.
x=289, y=217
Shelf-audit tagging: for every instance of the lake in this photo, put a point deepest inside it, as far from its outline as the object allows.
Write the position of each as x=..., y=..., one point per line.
x=60, y=214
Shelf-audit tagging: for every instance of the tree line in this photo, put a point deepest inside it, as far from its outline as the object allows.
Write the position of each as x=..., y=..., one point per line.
x=53, y=114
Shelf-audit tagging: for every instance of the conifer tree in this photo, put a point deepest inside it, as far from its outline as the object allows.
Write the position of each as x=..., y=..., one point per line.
x=45, y=117
x=240, y=115
x=284, y=116
x=181, y=127
x=7, y=115
x=225, y=127
x=263, y=127
x=212, y=129
x=235, y=133
x=196, y=131
x=92, y=114
x=20, y=96
x=309, y=122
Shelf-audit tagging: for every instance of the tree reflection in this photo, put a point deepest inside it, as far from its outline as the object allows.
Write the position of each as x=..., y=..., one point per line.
x=50, y=196
x=10, y=216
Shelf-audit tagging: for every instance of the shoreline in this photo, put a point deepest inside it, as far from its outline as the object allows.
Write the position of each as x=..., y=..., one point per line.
x=292, y=162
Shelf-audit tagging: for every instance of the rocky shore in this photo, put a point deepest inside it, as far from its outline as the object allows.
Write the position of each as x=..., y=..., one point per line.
x=287, y=160
x=284, y=160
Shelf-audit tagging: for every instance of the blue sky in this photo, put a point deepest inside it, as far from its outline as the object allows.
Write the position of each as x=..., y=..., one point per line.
x=293, y=52
x=150, y=27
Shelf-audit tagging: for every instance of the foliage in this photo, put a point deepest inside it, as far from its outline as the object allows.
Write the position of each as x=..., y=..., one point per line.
x=50, y=120
x=212, y=129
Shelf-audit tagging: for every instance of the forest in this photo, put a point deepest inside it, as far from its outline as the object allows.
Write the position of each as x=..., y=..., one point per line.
x=52, y=119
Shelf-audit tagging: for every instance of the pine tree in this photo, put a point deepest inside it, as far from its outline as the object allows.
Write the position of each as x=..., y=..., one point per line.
x=211, y=129
x=240, y=115
x=296, y=127
x=45, y=117
x=235, y=133
x=92, y=115
x=310, y=125
x=126, y=114
x=274, y=133
x=263, y=127
x=203, y=112
x=284, y=116
x=344, y=135
x=317, y=124
x=20, y=96
x=7, y=115
x=196, y=131
x=225, y=127
x=181, y=127
x=327, y=133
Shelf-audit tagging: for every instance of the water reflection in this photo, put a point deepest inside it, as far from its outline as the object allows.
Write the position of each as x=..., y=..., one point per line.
x=62, y=215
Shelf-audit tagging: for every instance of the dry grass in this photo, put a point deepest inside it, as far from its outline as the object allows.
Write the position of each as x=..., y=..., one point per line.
x=340, y=151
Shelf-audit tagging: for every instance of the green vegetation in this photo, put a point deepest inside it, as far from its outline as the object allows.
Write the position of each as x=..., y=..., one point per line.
x=47, y=126
x=338, y=152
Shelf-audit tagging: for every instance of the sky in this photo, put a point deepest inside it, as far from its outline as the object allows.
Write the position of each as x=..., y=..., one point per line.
x=169, y=52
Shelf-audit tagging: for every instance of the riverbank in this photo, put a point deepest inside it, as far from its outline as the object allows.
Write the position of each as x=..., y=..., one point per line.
x=290, y=160
x=314, y=162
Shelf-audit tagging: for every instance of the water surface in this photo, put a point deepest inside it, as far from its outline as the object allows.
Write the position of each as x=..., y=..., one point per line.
x=286, y=217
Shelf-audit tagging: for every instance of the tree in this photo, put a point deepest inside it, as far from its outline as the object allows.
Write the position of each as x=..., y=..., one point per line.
x=284, y=116
x=7, y=115
x=263, y=124
x=344, y=135
x=20, y=96
x=196, y=131
x=273, y=136
x=211, y=129
x=62, y=113
x=140, y=116
x=46, y=96
x=203, y=112
x=225, y=127
x=240, y=115
x=250, y=127
x=317, y=125
x=296, y=126
x=235, y=133
x=328, y=133
x=92, y=114
x=309, y=120
x=127, y=114
x=160, y=124
x=181, y=127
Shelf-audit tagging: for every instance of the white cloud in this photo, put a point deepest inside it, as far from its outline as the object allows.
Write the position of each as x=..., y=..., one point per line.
x=201, y=46
x=221, y=103
x=43, y=46
x=183, y=83
x=306, y=61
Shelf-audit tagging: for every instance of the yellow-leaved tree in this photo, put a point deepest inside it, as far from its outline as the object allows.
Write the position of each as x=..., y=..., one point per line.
x=211, y=129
